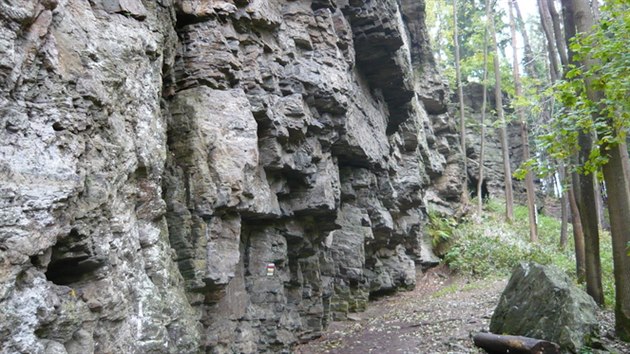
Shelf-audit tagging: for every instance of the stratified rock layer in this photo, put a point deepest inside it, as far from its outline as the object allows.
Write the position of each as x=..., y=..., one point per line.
x=493, y=184
x=157, y=157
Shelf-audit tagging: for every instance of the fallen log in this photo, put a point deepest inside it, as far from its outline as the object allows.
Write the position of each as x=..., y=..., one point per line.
x=495, y=344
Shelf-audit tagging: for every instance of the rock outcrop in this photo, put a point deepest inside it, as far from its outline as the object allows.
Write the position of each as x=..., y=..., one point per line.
x=157, y=156
x=542, y=302
x=494, y=183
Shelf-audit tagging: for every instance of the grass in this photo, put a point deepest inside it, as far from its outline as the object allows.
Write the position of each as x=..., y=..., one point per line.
x=450, y=289
x=492, y=247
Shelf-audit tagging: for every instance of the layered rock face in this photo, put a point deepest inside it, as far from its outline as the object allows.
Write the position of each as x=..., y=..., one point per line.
x=493, y=157
x=156, y=157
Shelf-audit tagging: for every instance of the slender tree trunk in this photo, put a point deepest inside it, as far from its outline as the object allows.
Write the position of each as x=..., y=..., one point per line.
x=546, y=22
x=529, y=178
x=586, y=197
x=507, y=169
x=578, y=234
x=460, y=94
x=557, y=31
x=528, y=53
x=588, y=212
x=569, y=31
x=599, y=204
x=557, y=48
x=587, y=201
x=562, y=171
x=484, y=100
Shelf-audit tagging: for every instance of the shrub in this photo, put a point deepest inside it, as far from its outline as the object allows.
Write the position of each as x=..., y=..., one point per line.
x=493, y=247
x=440, y=228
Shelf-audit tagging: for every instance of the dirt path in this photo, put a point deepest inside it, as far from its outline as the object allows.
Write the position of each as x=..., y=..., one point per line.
x=437, y=317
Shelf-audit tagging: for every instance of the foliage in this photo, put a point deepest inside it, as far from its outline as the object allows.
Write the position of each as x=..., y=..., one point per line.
x=440, y=228
x=586, y=350
x=471, y=18
x=607, y=117
x=493, y=247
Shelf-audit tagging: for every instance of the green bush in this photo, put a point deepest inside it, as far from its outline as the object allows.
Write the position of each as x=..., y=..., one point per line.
x=440, y=228
x=492, y=247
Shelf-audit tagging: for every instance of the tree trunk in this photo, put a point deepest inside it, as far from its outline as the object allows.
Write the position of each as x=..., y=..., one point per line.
x=546, y=22
x=569, y=31
x=528, y=53
x=618, y=186
x=588, y=213
x=460, y=94
x=617, y=177
x=507, y=169
x=529, y=178
x=583, y=20
x=562, y=171
x=484, y=100
x=564, y=220
x=599, y=204
x=578, y=235
x=560, y=47
x=557, y=31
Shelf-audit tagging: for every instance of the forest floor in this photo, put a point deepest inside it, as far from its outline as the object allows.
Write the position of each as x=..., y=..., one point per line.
x=439, y=316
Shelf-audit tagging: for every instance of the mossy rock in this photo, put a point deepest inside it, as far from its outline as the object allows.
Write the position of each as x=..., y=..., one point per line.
x=542, y=302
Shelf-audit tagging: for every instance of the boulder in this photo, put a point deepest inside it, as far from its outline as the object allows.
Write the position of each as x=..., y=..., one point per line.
x=542, y=302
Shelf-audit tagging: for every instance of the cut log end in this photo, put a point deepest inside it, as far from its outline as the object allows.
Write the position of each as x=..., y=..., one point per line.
x=496, y=344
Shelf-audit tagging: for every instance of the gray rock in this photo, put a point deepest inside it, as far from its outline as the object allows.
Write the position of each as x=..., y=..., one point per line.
x=542, y=302
x=132, y=8
x=157, y=156
x=493, y=156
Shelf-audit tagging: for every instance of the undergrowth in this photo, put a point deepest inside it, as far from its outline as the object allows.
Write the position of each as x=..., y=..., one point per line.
x=493, y=247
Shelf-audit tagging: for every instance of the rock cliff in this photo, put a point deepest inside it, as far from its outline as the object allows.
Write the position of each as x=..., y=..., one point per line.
x=157, y=157
x=493, y=185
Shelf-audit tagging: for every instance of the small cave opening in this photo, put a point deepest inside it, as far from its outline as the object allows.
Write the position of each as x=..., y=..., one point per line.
x=381, y=293
x=67, y=271
x=322, y=4
x=184, y=19
x=58, y=127
x=473, y=185
x=71, y=260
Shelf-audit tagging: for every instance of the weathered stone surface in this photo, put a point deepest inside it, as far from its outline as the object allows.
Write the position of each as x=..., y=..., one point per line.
x=215, y=144
x=85, y=255
x=157, y=156
x=494, y=182
x=347, y=247
x=542, y=302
